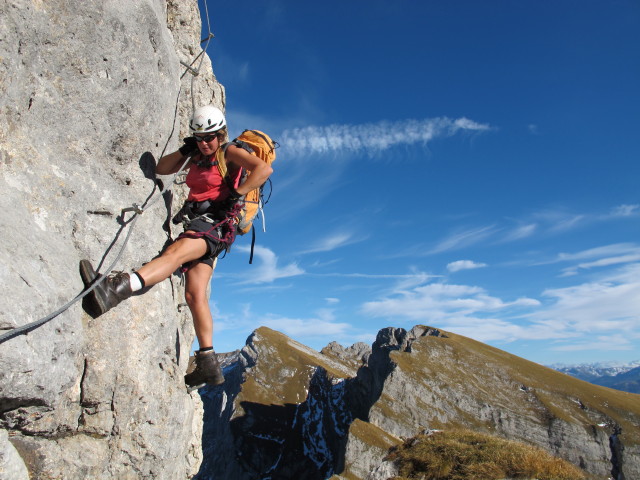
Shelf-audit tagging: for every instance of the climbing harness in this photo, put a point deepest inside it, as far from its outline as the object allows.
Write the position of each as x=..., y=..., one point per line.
x=227, y=225
x=135, y=208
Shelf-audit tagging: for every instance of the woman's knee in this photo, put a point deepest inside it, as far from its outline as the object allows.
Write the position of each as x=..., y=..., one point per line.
x=183, y=250
x=173, y=251
x=194, y=297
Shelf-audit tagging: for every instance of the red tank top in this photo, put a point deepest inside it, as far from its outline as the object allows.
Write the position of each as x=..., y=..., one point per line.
x=208, y=184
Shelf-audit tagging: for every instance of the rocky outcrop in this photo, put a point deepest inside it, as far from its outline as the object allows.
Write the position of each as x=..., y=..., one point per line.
x=280, y=411
x=287, y=409
x=90, y=96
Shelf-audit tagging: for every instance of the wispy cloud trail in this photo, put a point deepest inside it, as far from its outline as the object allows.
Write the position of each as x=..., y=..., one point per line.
x=463, y=239
x=464, y=265
x=371, y=138
x=332, y=242
x=625, y=210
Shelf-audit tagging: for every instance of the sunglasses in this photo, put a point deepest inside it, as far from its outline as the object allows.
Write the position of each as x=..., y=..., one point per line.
x=208, y=138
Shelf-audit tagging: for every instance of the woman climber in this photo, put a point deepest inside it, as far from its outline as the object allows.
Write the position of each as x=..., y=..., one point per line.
x=210, y=212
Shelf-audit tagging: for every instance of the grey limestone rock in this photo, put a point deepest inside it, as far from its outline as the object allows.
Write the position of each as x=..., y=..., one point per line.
x=383, y=471
x=356, y=355
x=12, y=466
x=89, y=92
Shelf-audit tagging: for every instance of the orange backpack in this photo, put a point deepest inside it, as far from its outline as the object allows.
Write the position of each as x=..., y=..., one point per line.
x=262, y=146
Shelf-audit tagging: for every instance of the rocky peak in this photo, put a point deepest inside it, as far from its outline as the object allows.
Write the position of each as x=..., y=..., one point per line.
x=355, y=356
x=391, y=338
x=291, y=412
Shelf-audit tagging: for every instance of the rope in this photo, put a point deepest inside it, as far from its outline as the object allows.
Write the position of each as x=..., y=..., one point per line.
x=33, y=325
x=137, y=211
x=200, y=55
x=131, y=223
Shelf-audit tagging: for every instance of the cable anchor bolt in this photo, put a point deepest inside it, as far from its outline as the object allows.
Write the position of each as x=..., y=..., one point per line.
x=192, y=70
x=134, y=208
x=211, y=35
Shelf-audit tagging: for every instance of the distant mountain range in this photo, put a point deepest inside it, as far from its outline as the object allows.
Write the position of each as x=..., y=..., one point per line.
x=625, y=377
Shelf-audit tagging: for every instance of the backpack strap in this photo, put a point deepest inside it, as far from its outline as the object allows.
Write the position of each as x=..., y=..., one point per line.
x=253, y=243
x=221, y=158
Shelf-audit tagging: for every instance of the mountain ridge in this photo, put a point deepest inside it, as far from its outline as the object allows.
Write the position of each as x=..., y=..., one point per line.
x=288, y=410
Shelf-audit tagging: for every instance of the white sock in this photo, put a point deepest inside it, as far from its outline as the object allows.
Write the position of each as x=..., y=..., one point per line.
x=134, y=281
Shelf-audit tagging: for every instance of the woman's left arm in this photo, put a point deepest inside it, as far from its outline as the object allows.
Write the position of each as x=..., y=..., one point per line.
x=258, y=170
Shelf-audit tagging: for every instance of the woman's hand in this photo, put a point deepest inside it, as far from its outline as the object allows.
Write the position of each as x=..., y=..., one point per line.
x=189, y=146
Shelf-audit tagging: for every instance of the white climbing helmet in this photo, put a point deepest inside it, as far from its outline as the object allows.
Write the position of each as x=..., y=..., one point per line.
x=207, y=119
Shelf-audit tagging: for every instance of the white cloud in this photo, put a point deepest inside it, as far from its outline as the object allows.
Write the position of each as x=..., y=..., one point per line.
x=605, y=255
x=320, y=326
x=544, y=222
x=559, y=221
x=573, y=316
x=605, y=250
x=405, y=280
x=332, y=301
x=440, y=301
x=487, y=329
x=332, y=242
x=463, y=239
x=611, y=303
x=568, y=223
x=625, y=210
x=373, y=137
x=267, y=269
x=603, y=262
x=520, y=232
x=599, y=343
x=466, y=124
x=464, y=265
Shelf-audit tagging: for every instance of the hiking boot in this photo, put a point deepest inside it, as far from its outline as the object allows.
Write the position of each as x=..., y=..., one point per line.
x=109, y=293
x=207, y=371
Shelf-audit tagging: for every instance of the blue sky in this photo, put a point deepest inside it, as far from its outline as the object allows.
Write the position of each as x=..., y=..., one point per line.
x=472, y=166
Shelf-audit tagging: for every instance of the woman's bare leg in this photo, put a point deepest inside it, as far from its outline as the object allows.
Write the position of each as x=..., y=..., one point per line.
x=178, y=253
x=198, y=278
x=207, y=368
x=118, y=287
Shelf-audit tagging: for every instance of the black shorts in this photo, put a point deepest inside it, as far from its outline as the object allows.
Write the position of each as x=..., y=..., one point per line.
x=210, y=235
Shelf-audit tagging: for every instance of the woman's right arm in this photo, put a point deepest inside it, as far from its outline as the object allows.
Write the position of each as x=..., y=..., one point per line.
x=170, y=163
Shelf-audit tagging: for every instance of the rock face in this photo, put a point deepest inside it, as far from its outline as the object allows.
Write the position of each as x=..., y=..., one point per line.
x=90, y=96
x=287, y=411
